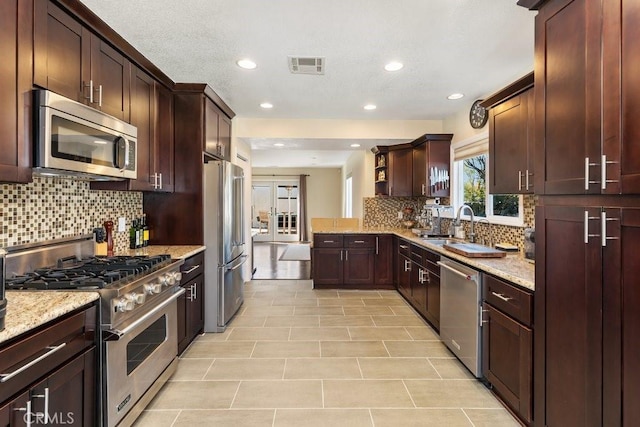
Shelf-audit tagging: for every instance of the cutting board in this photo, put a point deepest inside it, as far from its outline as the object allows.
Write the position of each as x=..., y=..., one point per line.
x=472, y=250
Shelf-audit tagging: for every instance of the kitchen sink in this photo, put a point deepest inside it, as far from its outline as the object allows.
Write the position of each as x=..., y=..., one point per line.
x=441, y=241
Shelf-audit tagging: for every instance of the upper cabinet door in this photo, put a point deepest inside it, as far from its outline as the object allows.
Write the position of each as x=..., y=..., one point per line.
x=72, y=61
x=111, y=75
x=62, y=46
x=420, y=170
x=510, y=165
x=143, y=118
x=567, y=97
x=164, y=141
x=400, y=171
x=224, y=137
x=15, y=88
x=621, y=87
x=211, y=144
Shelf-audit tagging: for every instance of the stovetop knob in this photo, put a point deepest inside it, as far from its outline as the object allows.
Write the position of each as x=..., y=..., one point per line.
x=125, y=304
x=152, y=288
x=137, y=298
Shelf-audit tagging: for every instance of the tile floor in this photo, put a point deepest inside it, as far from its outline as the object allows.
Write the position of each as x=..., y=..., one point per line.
x=295, y=356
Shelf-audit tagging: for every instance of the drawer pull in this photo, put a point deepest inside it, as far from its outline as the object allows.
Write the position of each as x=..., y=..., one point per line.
x=6, y=377
x=328, y=241
x=502, y=297
x=418, y=255
x=404, y=246
x=195, y=267
x=358, y=241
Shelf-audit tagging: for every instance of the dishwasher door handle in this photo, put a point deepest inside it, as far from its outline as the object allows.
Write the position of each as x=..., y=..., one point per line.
x=454, y=271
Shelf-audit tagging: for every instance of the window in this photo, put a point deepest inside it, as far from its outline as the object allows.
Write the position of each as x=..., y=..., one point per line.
x=348, y=197
x=471, y=166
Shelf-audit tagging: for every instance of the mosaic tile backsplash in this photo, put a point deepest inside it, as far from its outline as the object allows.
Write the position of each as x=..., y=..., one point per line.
x=52, y=208
x=383, y=212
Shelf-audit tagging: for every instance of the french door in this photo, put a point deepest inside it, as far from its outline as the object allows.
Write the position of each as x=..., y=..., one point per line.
x=274, y=210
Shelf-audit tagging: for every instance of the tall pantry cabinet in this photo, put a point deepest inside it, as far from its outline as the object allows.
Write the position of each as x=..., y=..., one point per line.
x=587, y=343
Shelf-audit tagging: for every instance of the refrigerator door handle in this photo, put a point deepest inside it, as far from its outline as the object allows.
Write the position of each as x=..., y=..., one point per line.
x=235, y=267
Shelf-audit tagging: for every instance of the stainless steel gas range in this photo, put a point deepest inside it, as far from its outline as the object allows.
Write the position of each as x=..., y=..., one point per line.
x=138, y=314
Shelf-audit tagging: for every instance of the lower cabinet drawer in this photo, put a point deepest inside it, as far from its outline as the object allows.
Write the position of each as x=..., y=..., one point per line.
x=511, y=300
x=365, y=241
x=328, y=240
x=26, y=360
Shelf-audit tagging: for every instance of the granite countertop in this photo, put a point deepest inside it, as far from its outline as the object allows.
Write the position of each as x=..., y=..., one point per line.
x=512, y=268
x=26, y=310
x=176, y=251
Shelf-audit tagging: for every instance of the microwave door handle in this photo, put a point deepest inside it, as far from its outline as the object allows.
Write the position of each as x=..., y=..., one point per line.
x=126, y=154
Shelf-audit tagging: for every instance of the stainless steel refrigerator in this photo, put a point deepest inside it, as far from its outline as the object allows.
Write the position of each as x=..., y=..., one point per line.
x=224, y=238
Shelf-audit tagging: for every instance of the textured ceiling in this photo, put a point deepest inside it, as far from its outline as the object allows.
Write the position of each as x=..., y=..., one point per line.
x=470, y=46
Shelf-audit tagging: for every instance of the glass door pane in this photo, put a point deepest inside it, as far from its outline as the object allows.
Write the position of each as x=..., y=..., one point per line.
x=287, y=211
x=261, y=211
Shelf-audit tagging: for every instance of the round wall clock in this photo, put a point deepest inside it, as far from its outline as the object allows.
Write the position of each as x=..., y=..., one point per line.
x=478, y=115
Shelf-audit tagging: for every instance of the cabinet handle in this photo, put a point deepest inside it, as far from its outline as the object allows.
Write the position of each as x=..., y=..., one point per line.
x=328, y=241
x=588, y=218
x=340, y=254
x=346, y=255
x=376, y=245
x=407, y=265
x=195, y=267
x=482, y=321
x=6, y=377
x=606, y=162
x=424, y=189
x=603, y=233
x=160, y=180
x=99, y=95
x=526, y=180
x=358, y=241
x=420, y=275
x=404, y=246
x=46, y=404
x=519, y=180
x=28, y=413
x=90, y=86
x=587, y=165
x=502, y=297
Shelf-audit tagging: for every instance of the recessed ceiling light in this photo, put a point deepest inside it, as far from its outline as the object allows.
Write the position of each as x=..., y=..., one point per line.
x=266, y=105
x=394, y=66
x=455, y=96
x=355, y=145
x=278, y=144
x=370, y=107
x=247, y=64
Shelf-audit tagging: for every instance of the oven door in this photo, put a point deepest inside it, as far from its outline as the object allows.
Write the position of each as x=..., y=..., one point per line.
x=137, y=355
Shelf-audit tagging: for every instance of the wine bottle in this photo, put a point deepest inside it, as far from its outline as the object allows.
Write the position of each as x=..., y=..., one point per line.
x=145, y=231
x=133, y=236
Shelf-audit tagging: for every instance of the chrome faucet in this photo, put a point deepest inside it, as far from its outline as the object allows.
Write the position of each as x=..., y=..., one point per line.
x=472, y=234
x=489, y=232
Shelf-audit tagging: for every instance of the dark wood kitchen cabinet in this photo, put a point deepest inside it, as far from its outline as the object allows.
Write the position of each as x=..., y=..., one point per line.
x=383, y=261
x=217, y=132
x=586, y=53
x=586, y=364
x=71, y=60
x=152, y=114
x=403, y=268
x=431, y=163
x=66, y=378
x=191, y=303
x=507, y=344
x=511, y=122
x=356, y=261
x=395, y=178
x=16, y=28
x=425, y=284
x=189, y=130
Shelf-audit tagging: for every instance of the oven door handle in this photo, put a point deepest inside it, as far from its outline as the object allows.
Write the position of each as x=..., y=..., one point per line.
x=116, y=334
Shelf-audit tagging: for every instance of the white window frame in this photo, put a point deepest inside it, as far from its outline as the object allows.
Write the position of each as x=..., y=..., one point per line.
x=458, y=191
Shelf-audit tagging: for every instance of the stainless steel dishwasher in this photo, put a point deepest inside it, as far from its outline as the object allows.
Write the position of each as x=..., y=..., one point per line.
x=460, y=311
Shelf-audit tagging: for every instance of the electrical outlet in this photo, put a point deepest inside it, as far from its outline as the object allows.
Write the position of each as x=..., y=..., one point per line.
x=399, y=214
x=122, y=224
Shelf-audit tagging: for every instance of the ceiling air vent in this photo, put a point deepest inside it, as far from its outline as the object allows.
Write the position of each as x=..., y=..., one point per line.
x=306, y=65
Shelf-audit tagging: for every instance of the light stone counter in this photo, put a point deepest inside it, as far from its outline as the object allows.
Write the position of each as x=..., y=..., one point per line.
x=512, y=268
x=176, y=251
x=26, y=310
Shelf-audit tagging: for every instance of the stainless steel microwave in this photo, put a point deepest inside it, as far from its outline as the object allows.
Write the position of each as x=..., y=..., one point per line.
x=74, y=139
